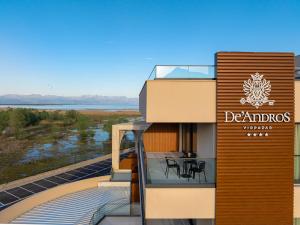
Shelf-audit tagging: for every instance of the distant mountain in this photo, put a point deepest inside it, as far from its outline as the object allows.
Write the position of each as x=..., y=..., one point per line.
x=185, y=73
x=53, y=99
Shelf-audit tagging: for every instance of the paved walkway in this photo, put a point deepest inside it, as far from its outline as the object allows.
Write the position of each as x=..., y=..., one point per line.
x=14, y=195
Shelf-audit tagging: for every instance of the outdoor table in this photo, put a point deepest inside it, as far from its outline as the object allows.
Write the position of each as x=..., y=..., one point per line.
x=185, y=162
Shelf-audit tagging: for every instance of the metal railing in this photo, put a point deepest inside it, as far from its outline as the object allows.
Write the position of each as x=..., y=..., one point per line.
x=180, y=171
x=182, y=72
x=120, y=207
x=190, y=72
x=184, y=171
x=141, y=168
x=297, y=169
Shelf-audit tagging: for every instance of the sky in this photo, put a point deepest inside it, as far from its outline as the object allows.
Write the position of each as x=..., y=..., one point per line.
x=109, y=47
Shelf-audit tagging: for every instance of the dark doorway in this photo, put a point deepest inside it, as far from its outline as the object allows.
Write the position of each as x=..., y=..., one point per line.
x=189, y=137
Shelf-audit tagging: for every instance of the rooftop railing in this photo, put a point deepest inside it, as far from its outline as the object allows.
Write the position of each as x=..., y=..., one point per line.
x=182, y=72
x=190, y=72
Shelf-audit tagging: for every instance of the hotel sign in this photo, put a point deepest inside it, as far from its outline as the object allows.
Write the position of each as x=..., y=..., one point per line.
x=246, y=117
x=255, y=138
x=257, y=91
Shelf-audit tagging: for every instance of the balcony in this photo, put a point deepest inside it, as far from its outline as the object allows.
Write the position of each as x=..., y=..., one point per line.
x=175, y=169
x=166, y=194
x=182, y=72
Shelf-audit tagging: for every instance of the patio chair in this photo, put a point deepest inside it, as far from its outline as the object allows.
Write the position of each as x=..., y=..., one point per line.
x=171, y=163
x=200, y=168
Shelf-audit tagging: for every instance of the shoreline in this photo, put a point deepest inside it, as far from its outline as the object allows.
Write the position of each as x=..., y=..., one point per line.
x=92, y=112
x=102, y=112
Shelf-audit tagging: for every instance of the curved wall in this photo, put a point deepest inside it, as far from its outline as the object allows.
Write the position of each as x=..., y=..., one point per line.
x=29, y=203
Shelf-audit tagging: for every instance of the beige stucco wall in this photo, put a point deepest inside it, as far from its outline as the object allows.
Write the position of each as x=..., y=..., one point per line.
x=297, y=101
x=181, y=101
x=180, y=203
x=197, y=203
x=186, y=101
x=297, y=201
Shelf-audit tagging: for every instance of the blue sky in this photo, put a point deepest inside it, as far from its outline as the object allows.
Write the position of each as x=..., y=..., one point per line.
x=109, y=47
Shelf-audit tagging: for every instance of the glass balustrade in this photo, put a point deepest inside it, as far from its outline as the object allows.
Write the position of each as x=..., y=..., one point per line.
x=169, y=170
x=120, y=207
x=190, y=72
x=182, y=72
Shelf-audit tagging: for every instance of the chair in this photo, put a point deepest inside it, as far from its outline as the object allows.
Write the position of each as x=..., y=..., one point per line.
x=200, y=168
x=189, y=155
x=171, y=163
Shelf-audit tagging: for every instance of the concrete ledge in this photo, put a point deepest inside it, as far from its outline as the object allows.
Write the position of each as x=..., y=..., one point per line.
x=114, y=184
x=29, y=203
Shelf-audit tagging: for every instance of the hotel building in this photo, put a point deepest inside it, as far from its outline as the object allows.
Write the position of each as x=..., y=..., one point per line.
x=222, y=144
x=219, y=145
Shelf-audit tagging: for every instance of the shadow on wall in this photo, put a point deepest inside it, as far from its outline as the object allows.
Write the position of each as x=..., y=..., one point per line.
x=131, y=163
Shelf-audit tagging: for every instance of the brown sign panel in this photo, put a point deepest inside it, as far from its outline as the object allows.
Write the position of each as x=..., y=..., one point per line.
x=255, y=138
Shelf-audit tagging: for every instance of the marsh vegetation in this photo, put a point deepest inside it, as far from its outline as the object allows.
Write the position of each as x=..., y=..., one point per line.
x=34, y=141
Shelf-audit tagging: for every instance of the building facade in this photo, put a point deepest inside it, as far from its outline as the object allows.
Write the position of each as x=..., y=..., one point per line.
x=218, y=145
x=223, y=141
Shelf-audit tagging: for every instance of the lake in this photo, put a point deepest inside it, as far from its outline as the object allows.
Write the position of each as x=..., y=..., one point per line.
x=107, y=107
x=99, y=145
x=68, y=150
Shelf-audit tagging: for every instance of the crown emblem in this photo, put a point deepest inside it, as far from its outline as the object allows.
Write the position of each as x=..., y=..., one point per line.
x=257, y=91
x=256, y=77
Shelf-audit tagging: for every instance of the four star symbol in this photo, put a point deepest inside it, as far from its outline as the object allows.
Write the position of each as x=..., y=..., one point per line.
x=257, y=134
